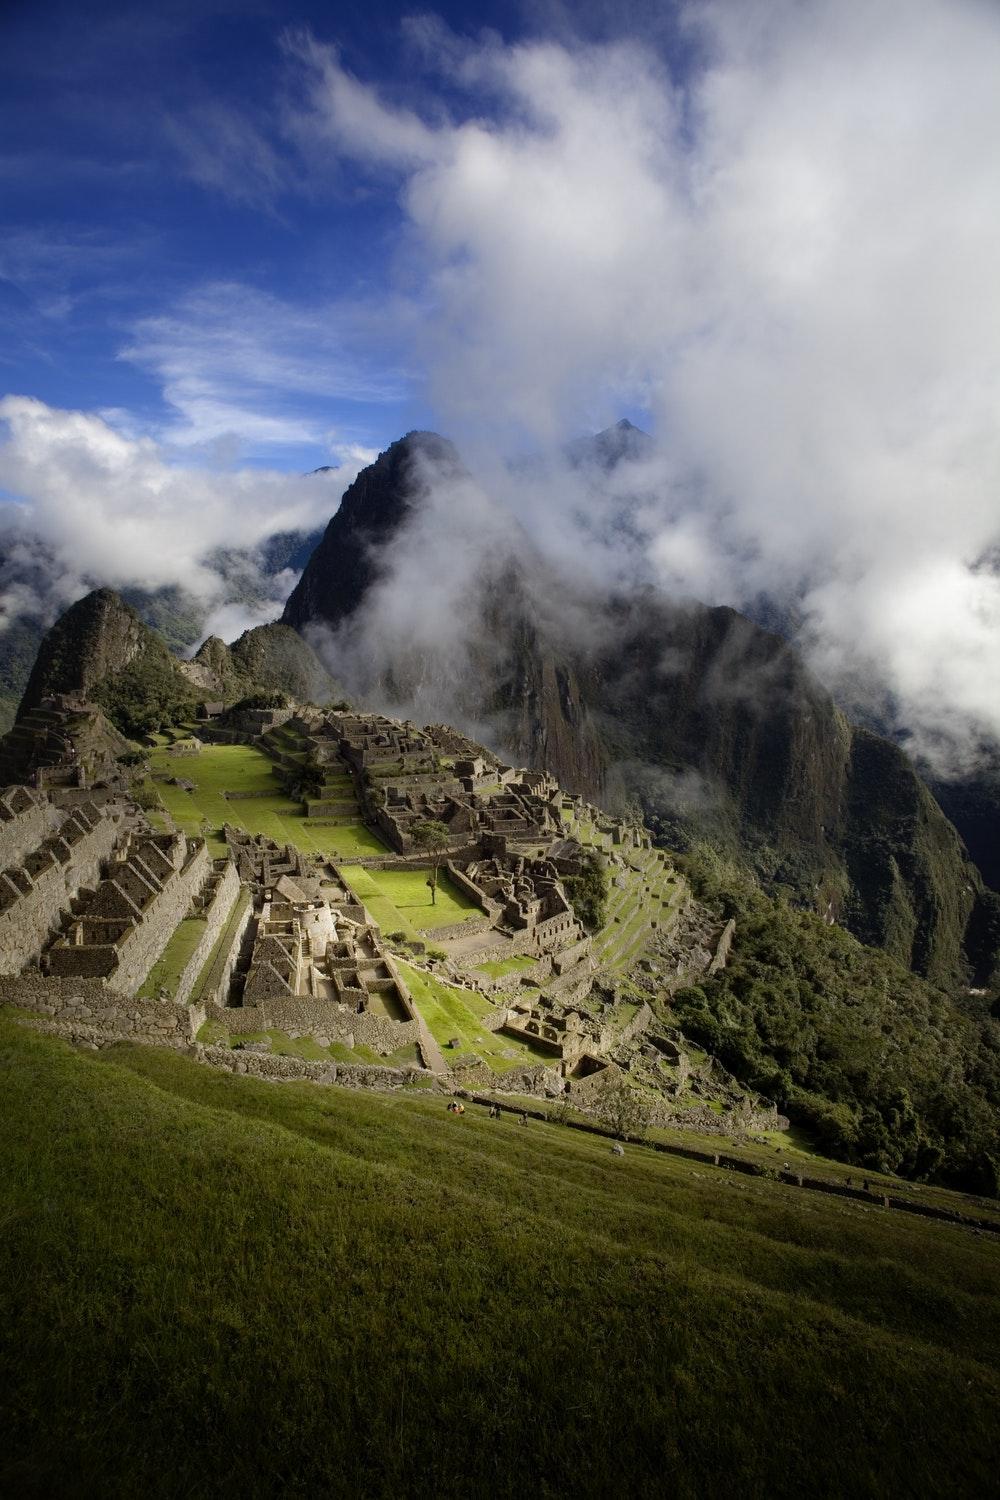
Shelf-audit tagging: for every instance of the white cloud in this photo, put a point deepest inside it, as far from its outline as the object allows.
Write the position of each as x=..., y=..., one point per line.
x=789, y=257
x=224, y=151
x=239, y=364
x=108, y=506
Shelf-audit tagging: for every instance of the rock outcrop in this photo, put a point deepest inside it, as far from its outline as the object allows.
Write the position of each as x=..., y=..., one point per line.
x=269, y=657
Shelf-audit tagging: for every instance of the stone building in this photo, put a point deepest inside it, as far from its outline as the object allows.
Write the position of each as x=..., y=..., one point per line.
x=120, y=930
x=54, y=855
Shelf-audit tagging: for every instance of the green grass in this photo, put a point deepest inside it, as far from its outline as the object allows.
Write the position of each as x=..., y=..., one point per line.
x=211, y=971
x=506, y=966
x=451, y=1012
x=399, y=900
x=306, y=1047
x=218, y=1287
x=217, y=769
x=167, y=970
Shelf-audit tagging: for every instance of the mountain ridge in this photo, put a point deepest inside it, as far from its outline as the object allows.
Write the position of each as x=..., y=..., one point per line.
x=627, y=698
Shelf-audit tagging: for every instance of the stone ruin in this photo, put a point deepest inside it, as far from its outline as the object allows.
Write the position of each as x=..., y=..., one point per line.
x=526, y=895
x=315, y=964
x=260, y=861
x=50, y=856
x=91, y=896
x=118, y=931
x=42, y=746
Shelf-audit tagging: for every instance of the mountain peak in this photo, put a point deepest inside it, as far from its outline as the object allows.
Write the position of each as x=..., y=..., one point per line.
x=374, y=507
x=610, y=446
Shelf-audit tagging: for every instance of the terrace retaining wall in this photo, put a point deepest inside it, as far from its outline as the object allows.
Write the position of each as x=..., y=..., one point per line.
x=217, y=980
x=216, y=915
x=89, y=1010
x=34, y=913
x=26, y=829
x=317, y=1017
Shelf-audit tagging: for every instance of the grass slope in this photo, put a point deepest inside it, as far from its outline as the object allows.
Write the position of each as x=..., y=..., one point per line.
x=219, y=1287
x=217, y=769
x=457, y=1014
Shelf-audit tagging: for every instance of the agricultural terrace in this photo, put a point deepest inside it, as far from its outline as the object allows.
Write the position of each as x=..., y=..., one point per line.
x=646, y=896
x=166, y=972
x=217, y=771
x=400, y=900
x=455, y=1014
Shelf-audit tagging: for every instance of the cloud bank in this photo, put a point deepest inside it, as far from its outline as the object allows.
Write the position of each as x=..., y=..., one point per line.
x=787, y=255
x=91, y=503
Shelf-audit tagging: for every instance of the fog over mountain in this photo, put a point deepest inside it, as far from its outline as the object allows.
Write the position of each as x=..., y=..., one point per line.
x=787, y=257
x=767, y=231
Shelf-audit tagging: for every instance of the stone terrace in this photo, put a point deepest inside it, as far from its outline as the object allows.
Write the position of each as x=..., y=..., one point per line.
x=55, y=855
x=122, y=929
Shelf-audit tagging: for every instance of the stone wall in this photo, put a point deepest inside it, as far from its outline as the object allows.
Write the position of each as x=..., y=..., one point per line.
x=568, y=958
x=271, y=1067
x=639, y=1023
x=722, y=947
x=88, y=1010
x=316, y=1017
x=216, y=986
x=533, y=942
x=469, y=888
x=148, y=938
x=36, y=901
x=26, y=819
x=217, y=914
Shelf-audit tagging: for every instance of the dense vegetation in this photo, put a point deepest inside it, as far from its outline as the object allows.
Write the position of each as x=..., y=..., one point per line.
x=149, y=694
x=261, y=700
x=588, y=892
x=885, y=1069
x=214, y=1287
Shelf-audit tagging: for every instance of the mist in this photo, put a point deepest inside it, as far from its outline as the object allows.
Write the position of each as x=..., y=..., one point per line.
x=98, y=505
x=786, y=256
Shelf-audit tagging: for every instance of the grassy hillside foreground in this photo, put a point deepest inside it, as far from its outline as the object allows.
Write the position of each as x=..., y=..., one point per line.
x=219, y=1287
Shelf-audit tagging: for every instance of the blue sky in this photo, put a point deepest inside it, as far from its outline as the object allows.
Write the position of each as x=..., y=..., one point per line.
x=159, y=202
x=113, y=120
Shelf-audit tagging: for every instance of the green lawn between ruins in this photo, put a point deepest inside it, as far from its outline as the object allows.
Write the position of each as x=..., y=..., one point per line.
x=454, y=1014
x=214, y=1286
x=401, y=899
x=217, y=769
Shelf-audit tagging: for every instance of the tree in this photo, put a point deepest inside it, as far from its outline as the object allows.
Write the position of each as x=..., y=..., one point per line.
x=434, y=836
x=625, y=1110
x=588, y=891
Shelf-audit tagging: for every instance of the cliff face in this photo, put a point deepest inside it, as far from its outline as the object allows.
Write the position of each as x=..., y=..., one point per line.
x=345, y=564
x=709, y=722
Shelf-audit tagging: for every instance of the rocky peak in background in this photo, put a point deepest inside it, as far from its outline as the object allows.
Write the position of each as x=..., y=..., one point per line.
x=97, y=637
x=102, y=652
x=267, y=657
x=344, y=564
x=606, y=449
